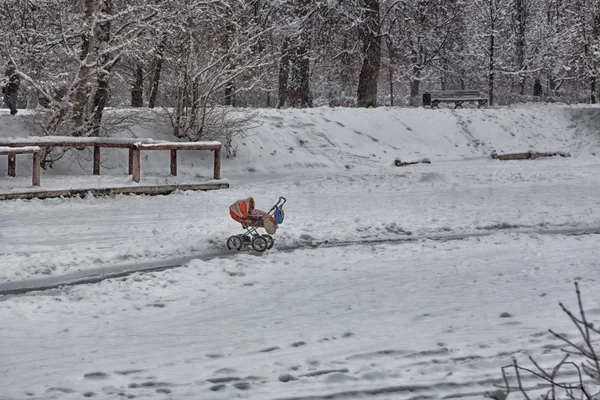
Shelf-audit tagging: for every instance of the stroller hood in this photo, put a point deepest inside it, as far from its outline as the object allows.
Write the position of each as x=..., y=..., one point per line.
x=241, y=209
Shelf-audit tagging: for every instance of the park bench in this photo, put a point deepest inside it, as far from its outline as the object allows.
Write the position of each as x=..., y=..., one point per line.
x=12, y=153
x=458, y=97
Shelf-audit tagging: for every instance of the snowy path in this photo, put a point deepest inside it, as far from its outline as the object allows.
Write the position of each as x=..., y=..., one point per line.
x=88, y=276
x=422, y=319
x=79, y=234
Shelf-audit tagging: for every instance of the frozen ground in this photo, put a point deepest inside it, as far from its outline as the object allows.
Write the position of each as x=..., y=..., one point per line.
x=456, y=197
x=419, y=319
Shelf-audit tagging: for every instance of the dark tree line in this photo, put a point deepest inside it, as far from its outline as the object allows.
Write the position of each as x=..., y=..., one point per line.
x=76, y=58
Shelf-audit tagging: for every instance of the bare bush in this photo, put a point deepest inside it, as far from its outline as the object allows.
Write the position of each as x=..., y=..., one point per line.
x=566, y=380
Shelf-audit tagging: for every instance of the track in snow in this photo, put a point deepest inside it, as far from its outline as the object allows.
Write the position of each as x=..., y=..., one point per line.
x=100, y=274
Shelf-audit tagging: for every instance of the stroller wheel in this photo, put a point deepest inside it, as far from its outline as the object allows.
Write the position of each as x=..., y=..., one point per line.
x=270, y=241
x=259, y=244
x=234, y=243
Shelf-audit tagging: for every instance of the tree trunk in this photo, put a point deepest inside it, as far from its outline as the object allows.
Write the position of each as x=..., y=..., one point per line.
x=593, y=89
x=177, y=118
x=391, y=78
x=137, y=89
x=391, y=68
x=229, y=98
x=294, y=65
x=492, y=60
x=230, y=93
x=369, y=73
x=160, y=52
x=299, y=74
x=415, y=83
x=101, y=95
x=87, y=46
x=100, y=102
x=444, y=74
x=521, y=20
x=294, y=73
x=284, y=67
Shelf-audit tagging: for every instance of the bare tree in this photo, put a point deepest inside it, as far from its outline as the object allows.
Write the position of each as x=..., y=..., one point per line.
x=491, y=35
x=560, y=382
x=294, y=64
x=137, y=87
x=370, y=34
x=421, y=32
x=201, y=71
x=158, y=63
x=521, y=20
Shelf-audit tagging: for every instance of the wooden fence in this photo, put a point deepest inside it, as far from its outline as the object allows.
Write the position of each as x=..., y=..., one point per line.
x=12, y=152
x=11, y=147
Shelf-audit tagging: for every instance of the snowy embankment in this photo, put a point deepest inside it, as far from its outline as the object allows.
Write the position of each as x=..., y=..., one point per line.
x=284, y=141
x=422, y=318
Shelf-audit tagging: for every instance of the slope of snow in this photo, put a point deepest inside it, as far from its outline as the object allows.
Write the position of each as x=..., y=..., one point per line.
x=340, y=138
x=422, y=319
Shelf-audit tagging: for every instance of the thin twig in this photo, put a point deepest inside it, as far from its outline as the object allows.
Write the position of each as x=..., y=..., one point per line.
x=519, y=379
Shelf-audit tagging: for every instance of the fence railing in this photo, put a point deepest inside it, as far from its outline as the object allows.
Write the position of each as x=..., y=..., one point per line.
x=135, y=146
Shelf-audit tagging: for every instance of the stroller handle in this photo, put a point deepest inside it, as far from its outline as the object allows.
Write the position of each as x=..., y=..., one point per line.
x=279, y=204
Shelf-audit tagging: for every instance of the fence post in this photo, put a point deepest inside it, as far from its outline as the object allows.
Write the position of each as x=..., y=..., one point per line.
x=12, y=165
x=36, y=168
x=131, y=160
x=174, y=162
x=217, y=164
x=135, y=155
x=96, y=160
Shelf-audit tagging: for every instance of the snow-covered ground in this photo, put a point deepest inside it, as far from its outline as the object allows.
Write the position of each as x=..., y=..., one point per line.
x=368, y=315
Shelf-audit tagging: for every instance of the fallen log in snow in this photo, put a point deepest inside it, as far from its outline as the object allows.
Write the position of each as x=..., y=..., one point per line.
x=399, y=163
x=529, y=155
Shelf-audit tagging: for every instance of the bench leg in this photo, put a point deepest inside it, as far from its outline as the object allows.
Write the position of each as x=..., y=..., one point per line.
x=458, y=104
x=435, y=104
x=36, y=168
x=174, y=162
x=481, y=103
x=12, y=165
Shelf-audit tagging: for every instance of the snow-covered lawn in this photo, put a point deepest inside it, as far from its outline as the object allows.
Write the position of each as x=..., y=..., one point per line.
x=338, y=320
x=359, y=317
x=459, y=197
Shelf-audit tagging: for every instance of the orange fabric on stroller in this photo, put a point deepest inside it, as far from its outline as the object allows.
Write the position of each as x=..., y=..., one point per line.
x=243, y=211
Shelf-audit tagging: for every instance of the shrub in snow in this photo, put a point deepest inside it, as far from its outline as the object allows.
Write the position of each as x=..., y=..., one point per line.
x=567, y=379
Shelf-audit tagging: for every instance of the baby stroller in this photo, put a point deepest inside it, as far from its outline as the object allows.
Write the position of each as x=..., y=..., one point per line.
x=243, y=211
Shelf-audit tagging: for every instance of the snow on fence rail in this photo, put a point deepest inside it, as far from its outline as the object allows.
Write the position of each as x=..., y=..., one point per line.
x=134, y=145
x=174, y=146
x=12, y=152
